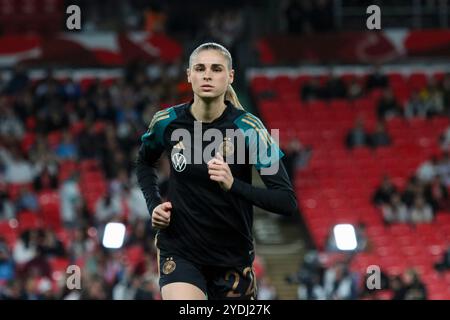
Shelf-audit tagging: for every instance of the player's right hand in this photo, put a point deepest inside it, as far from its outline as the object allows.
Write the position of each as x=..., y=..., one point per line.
x=161, y=215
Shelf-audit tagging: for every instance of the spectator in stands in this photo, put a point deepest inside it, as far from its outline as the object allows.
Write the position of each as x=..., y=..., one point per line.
x=338, y=282
x=428, y=170
x=70, y=201
x=311, y=90
x=136, y=204
x=296, y=156
x=412, y=287
x=358, y=135
x=141, y=235
x=7, y=270
x=395, y=210
x=147, y=289
x=18, y=170
x=443, y=169
x=13, y=291
x=7, y=209
x=384, y=192
x=81, y=244
x=67, y=149
x=413, y=189
x=266, y=290
x=377, y=80
x=436, y=194
x=388, y=106
x=415, y=107
x=446, y=94
x=355, y=89
x=89, y=142
x=71, y=90
x=334, y=88
x=421, y=212
x=26, y=201
x=444, y=263
x=96, y=289
x=26, y=247
x=10, y=124
x=380, y=137
x=49, y=244
x=309, y=277
x=108, y=207
x=433, y=98
x=444, y=140
x=19, y=80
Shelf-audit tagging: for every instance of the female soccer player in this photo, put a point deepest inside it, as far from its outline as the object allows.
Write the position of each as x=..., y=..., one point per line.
x=204, y=238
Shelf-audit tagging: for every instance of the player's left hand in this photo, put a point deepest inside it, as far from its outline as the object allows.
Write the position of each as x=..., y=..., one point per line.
x=219, y=171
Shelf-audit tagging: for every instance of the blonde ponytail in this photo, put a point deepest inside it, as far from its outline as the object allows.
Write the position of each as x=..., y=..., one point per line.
x=231, y=96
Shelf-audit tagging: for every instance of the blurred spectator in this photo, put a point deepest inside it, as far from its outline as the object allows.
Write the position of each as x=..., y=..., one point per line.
x=18, y=170
x=355, y=89
x=10, y=124
x=108, y=207
x=72, y=90
x=335, y=88
x=296, y=156
x=141, y=235
x=444, y=140
x=311, y=90
x=380, y=137
x=409, y=287
x=266, y=290
x=338, y=283
x=67, y=149
x=415, y=107
x=95, y=289
x=446, y=94
x=395, y=210
x=7, y=210
x=309, y=277
x=436, y=194
x=358, y=135
x=146, y=290
x=19, y=80
x=413, y=189
x=421, y=212
x=384, y=192
x=376, y=80
x=25, y=248
x=136, y=204
x=26, y=201
x=388, y=106
x=433, y=98
x=444, y=263
x=49, y=245
x=443, y=169
x=70, y=201
x=428, y=170
x=7, y=267
x=81, y=244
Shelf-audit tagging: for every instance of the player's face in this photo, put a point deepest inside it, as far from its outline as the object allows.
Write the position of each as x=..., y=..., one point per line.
x=209, y=74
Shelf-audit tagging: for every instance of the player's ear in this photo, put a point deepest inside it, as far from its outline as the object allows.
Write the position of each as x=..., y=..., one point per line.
x=188, y=73
x=231, y=76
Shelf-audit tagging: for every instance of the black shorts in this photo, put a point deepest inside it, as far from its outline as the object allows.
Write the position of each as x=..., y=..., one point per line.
x=228, y=283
